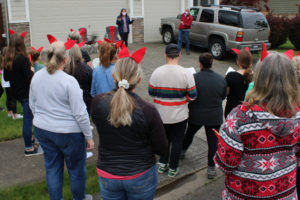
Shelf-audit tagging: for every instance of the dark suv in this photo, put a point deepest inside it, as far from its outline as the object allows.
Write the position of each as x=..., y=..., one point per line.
x=221, y=28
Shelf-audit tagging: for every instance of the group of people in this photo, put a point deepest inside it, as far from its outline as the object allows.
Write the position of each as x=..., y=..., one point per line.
x=257, y=148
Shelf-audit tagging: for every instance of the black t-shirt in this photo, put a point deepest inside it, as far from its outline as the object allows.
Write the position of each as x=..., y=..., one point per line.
x=85, y=56
x=84, y=76
x=238, y=87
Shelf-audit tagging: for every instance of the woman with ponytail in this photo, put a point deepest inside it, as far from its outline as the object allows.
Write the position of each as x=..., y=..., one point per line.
x=103, y=81
x=17, y=70
x=237, y=82
x=130, y=134
x=61, y=123
x=35, y=59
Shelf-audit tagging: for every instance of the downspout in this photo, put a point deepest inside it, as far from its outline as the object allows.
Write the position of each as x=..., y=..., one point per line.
x=6, y=19
x=131, y=15
x=191, y=3
x=182, y=6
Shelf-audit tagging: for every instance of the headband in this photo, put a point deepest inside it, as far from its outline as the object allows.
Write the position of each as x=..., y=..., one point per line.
x=137, y=55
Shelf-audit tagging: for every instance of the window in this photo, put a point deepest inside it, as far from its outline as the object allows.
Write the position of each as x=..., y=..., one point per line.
x=207, y=15
x=229, y=18
x=194, y=12
x=254, y=20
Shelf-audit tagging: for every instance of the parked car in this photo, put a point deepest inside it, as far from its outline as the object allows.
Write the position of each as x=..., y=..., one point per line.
x=221, y=28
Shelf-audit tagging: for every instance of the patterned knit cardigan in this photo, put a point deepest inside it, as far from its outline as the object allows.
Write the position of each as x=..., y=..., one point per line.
x=256, y=150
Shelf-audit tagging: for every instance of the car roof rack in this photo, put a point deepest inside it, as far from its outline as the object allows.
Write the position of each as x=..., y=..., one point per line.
x=238, y=8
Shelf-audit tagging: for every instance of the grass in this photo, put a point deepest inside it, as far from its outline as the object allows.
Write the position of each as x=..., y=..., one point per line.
x=10, y=129
x=284, y=47
x=38, y=191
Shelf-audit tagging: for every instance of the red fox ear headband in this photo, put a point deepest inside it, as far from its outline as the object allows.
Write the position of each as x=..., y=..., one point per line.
x=118, y=44
x=39, y=50
x=288, y=53
x=68, y=45
x=237, y=51
x=137, y=55
x=11, y=32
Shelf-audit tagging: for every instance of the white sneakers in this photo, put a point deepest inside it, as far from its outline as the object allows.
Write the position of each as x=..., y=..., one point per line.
x=18, y=116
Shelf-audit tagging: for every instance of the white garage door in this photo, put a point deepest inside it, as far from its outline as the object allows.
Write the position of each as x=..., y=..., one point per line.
x=154, y=11
x=57, y=17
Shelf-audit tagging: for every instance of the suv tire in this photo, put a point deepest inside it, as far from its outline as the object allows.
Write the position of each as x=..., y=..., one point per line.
x=217, y=48
x=168, y=36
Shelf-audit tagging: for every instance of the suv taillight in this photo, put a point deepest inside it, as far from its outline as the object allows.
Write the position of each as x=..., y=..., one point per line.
x=239, y=36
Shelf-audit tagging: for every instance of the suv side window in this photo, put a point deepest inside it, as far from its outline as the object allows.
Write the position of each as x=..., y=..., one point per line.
x=194, y=12
x=207, y=15
x=229, y=18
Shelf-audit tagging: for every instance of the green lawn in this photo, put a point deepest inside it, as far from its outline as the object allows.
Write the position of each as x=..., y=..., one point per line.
x=286, y=46
x=38, y=191
x=10, y=129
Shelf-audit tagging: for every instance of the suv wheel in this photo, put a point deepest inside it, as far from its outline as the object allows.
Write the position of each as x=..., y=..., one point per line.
x=217, y=48
x=168, y=36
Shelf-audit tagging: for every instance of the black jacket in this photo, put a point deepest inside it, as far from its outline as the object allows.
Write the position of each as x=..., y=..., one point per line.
x=207, y=108
x=128, y=150
x=84, y=76
x=121, y=24
x=20, y=77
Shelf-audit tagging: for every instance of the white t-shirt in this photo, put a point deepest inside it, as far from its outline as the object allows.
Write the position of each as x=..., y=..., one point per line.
x=5, y=84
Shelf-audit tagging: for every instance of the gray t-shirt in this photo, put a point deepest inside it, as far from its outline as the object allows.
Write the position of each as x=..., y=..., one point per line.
x=57, y=105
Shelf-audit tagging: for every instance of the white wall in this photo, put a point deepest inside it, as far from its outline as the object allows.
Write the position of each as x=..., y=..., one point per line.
x=154, y=11
x=57, y=17
x=17, y=10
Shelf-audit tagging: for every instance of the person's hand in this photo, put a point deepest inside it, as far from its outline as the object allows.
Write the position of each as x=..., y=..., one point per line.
x=182, y=23
x=119, y=18
x=90, y=144
x=32, y=69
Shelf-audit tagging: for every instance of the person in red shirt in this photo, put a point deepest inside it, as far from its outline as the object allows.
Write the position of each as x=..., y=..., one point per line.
x=184, y=29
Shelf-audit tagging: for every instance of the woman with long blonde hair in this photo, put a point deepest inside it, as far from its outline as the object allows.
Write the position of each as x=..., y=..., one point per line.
x=61, y=123
x=82, y=73
x=130, y=134
x=257, y=146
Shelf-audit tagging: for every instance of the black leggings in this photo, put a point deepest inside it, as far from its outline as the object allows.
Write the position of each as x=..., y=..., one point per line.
x=11, y=102
x=212, y=140
x=175, y=134
x=124, y=37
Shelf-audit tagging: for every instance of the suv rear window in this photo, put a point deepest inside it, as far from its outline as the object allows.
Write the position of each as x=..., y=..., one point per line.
x=207, y=15
x=229, y=18
x=254, y=20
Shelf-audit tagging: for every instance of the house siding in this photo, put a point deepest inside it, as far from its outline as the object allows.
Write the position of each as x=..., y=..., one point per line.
x=284, y=7
x=154, y=11
x=18, y=10
x=56, y=17
x=137, y=8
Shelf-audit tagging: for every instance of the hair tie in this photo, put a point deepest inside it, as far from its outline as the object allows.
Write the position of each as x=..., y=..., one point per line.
x=124, y=83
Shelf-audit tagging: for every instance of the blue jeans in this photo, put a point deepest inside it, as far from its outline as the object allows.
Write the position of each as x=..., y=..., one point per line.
x=27, y=124
x=58, y=148
x=186, y=34
x=143, y=187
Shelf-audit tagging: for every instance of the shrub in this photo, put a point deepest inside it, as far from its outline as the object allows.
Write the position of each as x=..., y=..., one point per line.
x=294, y=31
x=279, y=27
